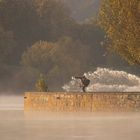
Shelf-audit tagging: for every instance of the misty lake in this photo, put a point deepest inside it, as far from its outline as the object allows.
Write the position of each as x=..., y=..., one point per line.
x=15, y=124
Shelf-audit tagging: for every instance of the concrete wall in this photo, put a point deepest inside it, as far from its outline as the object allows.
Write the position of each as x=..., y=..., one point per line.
x=74, y=102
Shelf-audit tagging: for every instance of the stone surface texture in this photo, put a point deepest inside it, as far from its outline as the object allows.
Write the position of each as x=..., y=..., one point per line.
x=81, y=102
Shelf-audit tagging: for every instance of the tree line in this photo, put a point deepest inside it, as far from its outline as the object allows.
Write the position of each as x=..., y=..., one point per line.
x=40, y=37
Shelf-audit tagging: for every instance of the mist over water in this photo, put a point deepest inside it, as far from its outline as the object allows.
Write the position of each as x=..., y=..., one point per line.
x=15, y=124
x=11, y=102
x=106, y=80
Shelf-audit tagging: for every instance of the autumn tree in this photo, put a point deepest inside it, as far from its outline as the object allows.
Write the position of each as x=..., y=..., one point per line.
x=58, y=61
x=38, y=56
x=121, y=21
x=41, y=85
x=70, y=56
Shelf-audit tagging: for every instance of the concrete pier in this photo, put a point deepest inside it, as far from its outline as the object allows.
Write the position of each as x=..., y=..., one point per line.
x=82, y=102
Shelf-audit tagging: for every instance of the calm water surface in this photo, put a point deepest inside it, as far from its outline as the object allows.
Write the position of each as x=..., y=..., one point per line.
x=15, y=124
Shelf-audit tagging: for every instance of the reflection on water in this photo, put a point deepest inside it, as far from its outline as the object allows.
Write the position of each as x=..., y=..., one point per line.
x=20, y=125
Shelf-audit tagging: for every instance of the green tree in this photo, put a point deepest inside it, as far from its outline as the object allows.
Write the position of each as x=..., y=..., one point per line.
x=121, y=21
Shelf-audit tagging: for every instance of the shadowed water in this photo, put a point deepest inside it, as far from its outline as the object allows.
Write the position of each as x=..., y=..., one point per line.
x=15, y=124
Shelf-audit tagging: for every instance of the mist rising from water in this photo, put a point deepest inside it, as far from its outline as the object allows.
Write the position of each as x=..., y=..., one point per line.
x=11, y=102
x=106, y=80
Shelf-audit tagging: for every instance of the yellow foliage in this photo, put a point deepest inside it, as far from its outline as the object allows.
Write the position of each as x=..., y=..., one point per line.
x=41, y=84
x=121, y=21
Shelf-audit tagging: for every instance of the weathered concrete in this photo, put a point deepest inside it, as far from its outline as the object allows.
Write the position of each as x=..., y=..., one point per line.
x=74, y=102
